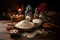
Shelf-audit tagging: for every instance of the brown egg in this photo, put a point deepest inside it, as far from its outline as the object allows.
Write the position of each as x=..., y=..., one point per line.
x=13, y=15
x=13, y=31
x=10, y=27
x=10, y=24
x=18, y=17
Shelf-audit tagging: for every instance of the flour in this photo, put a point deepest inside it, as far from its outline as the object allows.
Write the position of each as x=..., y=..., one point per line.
x=24, y=24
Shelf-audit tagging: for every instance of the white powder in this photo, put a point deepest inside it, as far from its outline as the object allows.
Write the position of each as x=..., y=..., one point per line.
x=24, y=24
x=37, y=21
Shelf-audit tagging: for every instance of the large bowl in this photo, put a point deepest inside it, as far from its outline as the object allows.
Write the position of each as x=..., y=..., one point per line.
x=25, y=28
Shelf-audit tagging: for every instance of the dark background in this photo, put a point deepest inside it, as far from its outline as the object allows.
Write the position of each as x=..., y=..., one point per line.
x=53, y=4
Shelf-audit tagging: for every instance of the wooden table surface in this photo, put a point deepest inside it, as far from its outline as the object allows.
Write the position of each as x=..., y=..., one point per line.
x=5, y=36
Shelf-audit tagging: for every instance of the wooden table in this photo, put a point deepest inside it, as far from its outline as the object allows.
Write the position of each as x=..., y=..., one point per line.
x=5, y=36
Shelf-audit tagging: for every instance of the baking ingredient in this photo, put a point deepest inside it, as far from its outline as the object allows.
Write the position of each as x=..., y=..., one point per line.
x=24, y=24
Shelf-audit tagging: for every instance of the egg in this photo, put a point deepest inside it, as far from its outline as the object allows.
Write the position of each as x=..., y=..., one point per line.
x=13, y=31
